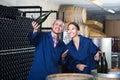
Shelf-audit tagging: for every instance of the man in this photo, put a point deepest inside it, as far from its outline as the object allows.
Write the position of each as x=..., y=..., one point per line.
x=49, y=51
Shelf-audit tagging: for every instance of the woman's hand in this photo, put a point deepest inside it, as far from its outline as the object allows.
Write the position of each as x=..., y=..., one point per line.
x=96, y=57
x=80, y=67
x=35, y=26
x=64, y=54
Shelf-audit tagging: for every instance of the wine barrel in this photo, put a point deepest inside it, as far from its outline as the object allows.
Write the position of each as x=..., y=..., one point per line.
x=113, y=74
x=96, y=33
x=66, y=26
x=73, y=14
x=84, y=30
x=95, y=25
x=70, y=76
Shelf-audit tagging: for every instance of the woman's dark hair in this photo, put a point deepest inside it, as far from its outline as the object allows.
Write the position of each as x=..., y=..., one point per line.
x=75, y=24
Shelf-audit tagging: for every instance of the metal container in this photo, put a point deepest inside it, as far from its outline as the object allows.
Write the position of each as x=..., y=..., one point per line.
x=113, y=74
x=105, y=46
x=70, y=76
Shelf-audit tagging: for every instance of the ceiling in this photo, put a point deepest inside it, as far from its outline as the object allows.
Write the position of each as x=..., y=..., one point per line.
x=110, y=4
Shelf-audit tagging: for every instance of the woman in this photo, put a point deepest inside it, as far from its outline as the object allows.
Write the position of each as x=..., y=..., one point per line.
x=84, y=52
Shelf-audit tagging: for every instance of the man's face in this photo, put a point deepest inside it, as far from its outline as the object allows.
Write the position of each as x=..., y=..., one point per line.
x=57, y=27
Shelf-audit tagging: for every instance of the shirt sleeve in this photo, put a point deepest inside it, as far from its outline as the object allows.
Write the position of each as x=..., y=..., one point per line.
x=33, y=38
x=93, y=48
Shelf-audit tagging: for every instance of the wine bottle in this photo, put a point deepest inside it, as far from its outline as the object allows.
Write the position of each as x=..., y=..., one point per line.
x=99, y=65
x=43, y=17
x=102, y=66
x=105, y=64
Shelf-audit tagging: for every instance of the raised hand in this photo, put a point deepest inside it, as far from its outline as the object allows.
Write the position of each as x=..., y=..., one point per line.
x=35, y=26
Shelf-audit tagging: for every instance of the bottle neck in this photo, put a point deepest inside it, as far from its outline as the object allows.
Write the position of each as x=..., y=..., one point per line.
x=104, y=55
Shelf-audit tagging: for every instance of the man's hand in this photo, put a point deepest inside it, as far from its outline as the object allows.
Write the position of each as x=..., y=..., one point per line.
x=64, y=54
x=35, y=26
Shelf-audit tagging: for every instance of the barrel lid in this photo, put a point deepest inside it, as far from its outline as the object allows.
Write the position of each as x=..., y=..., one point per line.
x=70, y=76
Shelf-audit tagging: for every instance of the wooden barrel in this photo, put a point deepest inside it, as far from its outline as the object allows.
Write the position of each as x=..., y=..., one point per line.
x=66, y=26
x=84, y=30
x=96, y=33
x=81, y=15
x=70, y=76
x=73, y=14
x=113, y=74
x=95, y=25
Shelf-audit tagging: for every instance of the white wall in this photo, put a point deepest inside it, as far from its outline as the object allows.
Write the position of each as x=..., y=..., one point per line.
x=45, y=4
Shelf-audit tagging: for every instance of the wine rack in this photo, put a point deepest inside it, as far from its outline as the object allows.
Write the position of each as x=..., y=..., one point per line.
x=16, y=53
x=8, y=12
x=15, y=64
x=14, y=33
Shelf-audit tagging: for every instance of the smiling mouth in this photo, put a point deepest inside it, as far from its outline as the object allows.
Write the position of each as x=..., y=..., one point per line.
x=70, y=34
x=57, y=29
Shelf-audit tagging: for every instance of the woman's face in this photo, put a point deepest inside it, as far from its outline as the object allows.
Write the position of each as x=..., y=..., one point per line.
x=72, y=31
